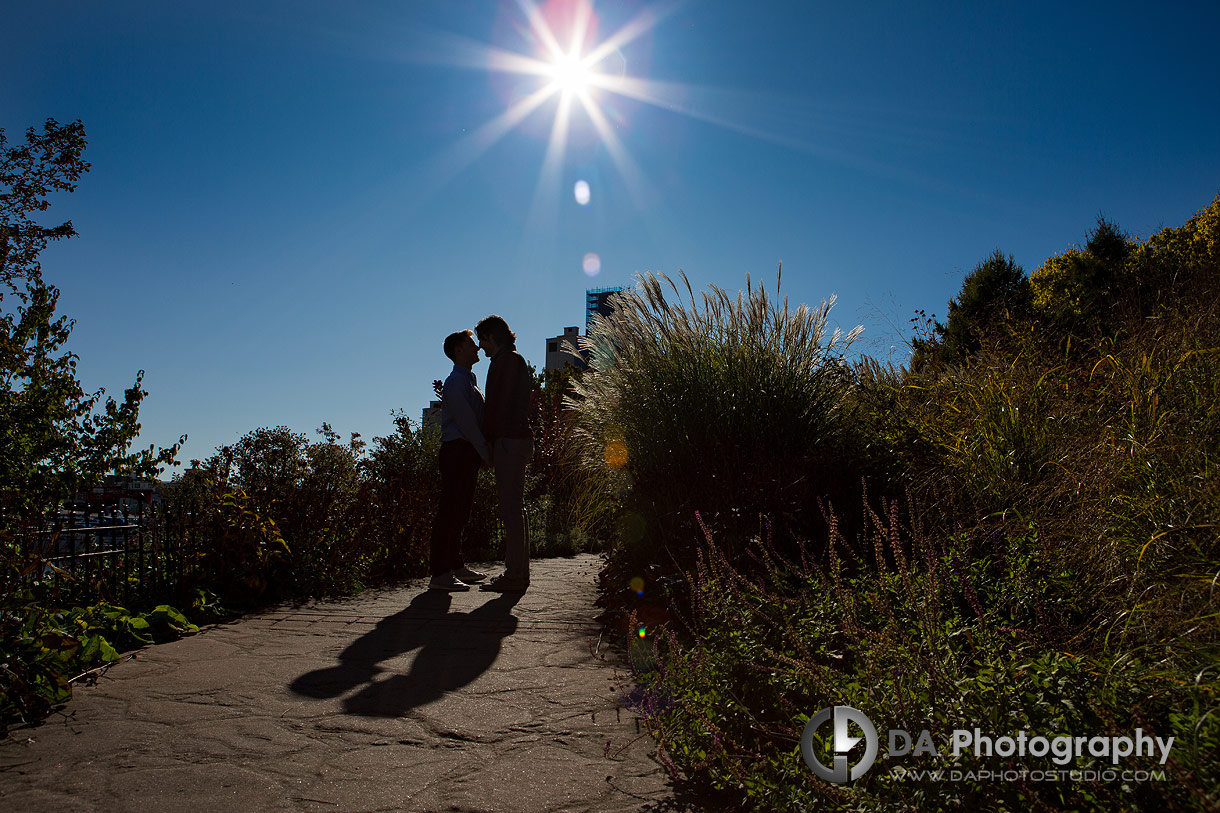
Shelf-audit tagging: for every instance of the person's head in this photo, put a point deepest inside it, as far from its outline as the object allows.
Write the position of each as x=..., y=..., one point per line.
x=494, y=335
x=461, y=349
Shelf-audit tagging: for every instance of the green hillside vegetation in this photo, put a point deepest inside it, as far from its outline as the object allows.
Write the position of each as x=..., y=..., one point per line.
x=1017, y=531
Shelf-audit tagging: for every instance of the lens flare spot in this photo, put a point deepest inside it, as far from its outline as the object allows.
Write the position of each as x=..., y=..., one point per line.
x=637, y=586
x=582, y=193
x=592, y=264
x=642, y=632
x=616, y=453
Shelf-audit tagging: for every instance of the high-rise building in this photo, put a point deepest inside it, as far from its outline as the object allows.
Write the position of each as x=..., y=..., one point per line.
x=597, y=300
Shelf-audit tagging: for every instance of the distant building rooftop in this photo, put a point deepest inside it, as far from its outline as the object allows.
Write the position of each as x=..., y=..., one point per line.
x=597, y=300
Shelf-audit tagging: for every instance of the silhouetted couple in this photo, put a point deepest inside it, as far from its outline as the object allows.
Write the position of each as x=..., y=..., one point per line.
x=478, y=432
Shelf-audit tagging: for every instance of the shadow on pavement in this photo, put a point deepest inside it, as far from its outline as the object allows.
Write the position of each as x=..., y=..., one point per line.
x=454, y=649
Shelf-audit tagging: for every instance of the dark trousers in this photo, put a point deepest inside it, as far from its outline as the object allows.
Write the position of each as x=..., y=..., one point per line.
x=459, y=464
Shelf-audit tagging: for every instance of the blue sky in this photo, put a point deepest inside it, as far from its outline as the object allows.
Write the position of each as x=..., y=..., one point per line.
x=291, y=203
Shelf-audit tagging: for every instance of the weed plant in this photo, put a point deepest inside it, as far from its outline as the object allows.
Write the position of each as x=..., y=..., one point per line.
x=571, y=507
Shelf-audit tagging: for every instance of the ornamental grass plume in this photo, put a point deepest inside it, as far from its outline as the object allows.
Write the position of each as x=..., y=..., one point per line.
x=728, y=405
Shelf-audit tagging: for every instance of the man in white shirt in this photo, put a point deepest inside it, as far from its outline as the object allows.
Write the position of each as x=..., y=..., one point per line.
x=463, y=451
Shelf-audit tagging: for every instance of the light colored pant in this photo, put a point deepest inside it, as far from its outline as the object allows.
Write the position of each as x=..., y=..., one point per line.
x=510, y=456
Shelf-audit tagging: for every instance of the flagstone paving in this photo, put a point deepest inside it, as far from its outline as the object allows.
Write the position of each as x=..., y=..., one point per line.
x=397, y=699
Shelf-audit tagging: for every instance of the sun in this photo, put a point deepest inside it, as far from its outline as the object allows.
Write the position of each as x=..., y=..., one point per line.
x=575, y=67
x=571, y=74
x=562, y=59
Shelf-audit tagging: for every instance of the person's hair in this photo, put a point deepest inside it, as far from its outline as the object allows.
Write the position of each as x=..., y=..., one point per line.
x=453, y=340
x=497, y=328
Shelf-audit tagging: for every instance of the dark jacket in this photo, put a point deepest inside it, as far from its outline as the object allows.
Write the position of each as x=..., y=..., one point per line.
x=506, y=413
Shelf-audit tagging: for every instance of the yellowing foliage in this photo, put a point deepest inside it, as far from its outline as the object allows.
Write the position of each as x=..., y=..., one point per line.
x=1061, y=285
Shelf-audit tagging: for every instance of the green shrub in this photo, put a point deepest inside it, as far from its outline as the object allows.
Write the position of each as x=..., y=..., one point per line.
x=1087, y=291
x=1063, y=285
x=1177, y=262
x=400, y=482
x=245, y=555
x=995, y=290
x=36, y=660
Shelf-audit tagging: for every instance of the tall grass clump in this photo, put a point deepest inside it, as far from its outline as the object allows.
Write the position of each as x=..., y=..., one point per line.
x=571, y=507
x=728, y=405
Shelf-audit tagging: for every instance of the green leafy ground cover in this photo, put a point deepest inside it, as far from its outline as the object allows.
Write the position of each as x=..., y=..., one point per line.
x=48, y=644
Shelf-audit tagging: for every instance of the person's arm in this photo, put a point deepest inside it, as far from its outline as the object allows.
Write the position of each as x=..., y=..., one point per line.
x=456, y=399
x=499, y=386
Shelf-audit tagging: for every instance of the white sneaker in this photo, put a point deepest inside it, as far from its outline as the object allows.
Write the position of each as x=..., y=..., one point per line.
x=447, y=581
x=469, y=576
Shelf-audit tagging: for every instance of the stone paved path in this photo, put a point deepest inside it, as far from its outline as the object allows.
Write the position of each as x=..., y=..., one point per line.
x=399, y=699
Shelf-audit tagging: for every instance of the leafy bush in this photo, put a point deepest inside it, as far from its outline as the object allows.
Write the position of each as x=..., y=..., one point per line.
x=306, y=518
x=1083, y=289
x=1063, y=285
x=1177, y=262
x=246, y=552
x=399, y=493
x=275, y=515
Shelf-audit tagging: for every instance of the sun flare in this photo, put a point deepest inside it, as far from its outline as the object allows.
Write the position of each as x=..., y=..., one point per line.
x=571, y=73
x=581, y=73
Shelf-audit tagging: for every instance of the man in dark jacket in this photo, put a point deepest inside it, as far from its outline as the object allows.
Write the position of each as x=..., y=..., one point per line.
x=507, y=431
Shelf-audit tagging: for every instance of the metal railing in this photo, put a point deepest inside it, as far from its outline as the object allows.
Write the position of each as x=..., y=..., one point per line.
x=115, y=554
